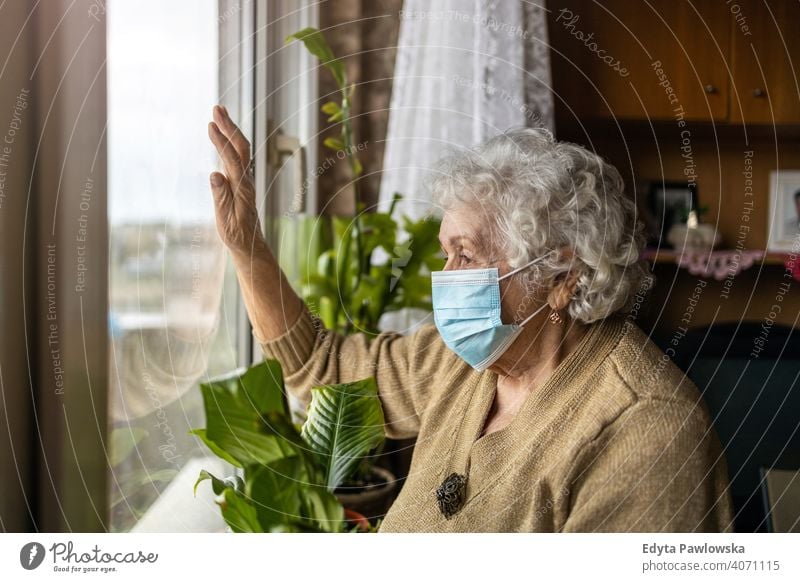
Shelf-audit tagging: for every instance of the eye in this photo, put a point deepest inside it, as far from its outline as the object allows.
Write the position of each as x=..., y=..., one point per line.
x=465, y=259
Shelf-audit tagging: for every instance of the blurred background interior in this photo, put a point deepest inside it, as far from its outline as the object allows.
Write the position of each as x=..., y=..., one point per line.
x=117, y=298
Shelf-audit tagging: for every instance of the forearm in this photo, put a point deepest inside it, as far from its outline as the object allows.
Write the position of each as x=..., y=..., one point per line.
x=271, y=303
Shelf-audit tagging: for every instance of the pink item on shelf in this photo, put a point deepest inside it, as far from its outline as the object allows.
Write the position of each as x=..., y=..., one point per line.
x=718, y=264
x=792, y=264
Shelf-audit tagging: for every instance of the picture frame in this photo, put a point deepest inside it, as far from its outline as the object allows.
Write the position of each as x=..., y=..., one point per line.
x=783, y=225
x=670, y=203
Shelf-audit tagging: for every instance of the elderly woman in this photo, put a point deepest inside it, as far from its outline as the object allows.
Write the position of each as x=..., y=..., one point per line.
x=537, y=404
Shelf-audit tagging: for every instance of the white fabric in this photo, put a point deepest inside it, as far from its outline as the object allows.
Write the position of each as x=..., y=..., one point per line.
x=465, y=71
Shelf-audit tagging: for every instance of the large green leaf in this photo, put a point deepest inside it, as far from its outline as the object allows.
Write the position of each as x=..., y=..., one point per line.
x=380, y=230
x=285, y=495
x=346, y=257
x=316, y=45
x=345, y=421
x=367, y=303
x=308, y=469
x=237, y=407
x=275, y=490
x=300, y=240
x=286, y=499
x=324, y=508
x=415, y=258
x=424, y=244
x=219, y=485
x=237, y=511
x=221, y=453
x=328, y=311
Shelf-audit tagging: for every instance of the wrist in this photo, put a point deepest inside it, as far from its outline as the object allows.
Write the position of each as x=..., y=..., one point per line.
x=256, y=252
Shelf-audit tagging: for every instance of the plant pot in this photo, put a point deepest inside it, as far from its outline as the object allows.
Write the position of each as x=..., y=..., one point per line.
x=371, y=499
x=354, y=518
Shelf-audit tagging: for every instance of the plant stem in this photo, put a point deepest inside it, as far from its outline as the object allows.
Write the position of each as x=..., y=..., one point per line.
x=347, y=140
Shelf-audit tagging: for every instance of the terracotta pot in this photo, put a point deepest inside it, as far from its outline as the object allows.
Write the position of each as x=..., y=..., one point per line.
x=372, y=501
x=355, y=518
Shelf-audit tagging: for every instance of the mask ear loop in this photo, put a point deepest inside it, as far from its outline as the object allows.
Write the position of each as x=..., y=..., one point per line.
x=517, y=270
x=527, y=319
x=526, y=265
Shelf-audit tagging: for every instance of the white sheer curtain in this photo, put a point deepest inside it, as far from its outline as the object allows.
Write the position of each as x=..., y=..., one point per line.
x=465, y=71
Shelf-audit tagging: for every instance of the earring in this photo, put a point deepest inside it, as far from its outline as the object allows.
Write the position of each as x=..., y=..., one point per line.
x=555, y=318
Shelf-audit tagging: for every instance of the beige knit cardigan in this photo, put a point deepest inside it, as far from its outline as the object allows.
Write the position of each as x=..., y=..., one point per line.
x=617, y=439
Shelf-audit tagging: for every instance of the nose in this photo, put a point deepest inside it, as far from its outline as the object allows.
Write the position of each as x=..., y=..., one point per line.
x=450, y=264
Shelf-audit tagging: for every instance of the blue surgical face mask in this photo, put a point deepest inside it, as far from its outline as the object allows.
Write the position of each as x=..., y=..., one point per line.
x=466, y=310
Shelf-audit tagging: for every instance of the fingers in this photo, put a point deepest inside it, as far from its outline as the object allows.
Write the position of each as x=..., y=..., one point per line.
x=233, y=133
x=230, y=157
x=221, y=189
x=225, y=210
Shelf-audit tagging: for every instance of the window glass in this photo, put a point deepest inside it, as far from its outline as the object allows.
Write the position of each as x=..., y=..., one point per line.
x=173, y=294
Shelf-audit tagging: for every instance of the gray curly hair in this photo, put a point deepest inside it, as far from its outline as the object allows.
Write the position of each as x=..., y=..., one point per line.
x=540, y=195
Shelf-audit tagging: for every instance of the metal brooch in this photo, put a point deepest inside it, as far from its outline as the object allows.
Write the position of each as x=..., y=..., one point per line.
x=451, y=494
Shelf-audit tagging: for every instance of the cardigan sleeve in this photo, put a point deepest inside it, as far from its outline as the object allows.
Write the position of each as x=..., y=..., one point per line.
x=658, y=467
x=403, y=366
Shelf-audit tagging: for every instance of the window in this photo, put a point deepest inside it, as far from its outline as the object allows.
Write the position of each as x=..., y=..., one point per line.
x=120, y=298
x=175, y=317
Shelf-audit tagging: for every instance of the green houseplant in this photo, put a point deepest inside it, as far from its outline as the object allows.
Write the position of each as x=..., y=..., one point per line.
x=289, y=473
x=341, y=280
x=350, y=271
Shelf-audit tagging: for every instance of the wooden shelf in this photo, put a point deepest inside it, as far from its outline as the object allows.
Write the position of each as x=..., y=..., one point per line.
x=668, y=256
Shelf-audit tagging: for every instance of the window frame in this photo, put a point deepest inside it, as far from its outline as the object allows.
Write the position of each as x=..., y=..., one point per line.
x=67, y=486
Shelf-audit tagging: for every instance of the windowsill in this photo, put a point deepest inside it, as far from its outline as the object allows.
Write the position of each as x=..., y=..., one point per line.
x=178, y=511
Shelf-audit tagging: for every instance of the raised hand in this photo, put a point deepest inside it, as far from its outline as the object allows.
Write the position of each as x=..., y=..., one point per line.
x=270, y=301
x=234, y=192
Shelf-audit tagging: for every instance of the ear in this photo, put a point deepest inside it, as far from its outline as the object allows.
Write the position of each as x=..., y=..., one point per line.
x=564, y=286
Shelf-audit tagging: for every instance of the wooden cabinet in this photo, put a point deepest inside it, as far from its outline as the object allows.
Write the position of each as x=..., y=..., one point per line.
x=698, y=60
x=766, y=63
x=631, y=59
